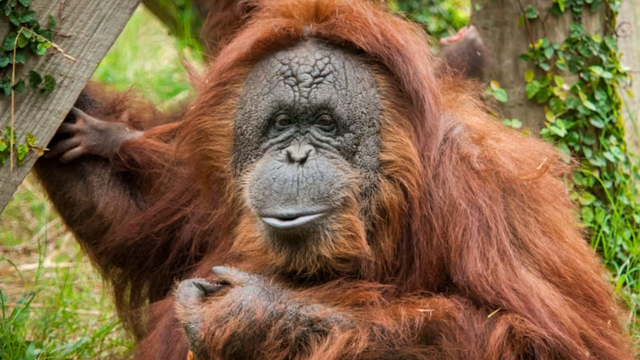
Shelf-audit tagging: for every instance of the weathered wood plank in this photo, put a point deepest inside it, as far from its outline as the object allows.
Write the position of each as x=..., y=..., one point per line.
x=90, y=29
x=629, y=40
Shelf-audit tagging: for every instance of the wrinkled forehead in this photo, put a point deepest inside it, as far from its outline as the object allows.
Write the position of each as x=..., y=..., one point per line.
x=304, y=81
x=312, y=73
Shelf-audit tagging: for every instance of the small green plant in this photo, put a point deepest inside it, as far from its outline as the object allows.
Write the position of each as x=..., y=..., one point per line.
x=21, y=149
x=496, y=92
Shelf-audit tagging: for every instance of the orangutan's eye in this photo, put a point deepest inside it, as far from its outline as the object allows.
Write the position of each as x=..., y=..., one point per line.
x=283, y=121
x=325, y=123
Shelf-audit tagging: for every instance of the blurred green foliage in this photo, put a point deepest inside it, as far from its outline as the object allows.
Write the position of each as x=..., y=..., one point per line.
x=438, y=17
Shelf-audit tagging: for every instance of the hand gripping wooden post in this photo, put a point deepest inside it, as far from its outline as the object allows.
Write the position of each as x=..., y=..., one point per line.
x=87, y=31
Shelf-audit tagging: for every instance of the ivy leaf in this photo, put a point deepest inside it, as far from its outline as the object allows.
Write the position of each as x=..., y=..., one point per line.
x=589, y=105
x=559, y=80
x=598, y=70
x=5, y=60
x=587, y=198
x=5, y=85
x=49, y=84
x=512, y=123
x=560, y=4
x=23, y=40
x=609, y=156
x=14, y=19
x=10, y=41
x=532, y=89
x=585, y=101
x=7, y=132
x=575, y=30
x=501, y=95
x=587, y=215
x=531, y=12
x=561, y=64
x=42, y=48
x=31, y=139
x=548, y=52
x=597, y=122
x=589, y=139
x=27, y=16
x=35, y=79
x=53, y=22
x=561, y=132
x=588, y=153
x=543, y=95
x=22, y=152
x=557, y=105
x=549, y=115
x=3, y=145
x=21, y=56
x=529, y=75
x=20, y=86
x=25, y=3
x=611, y=43
x=46, y=34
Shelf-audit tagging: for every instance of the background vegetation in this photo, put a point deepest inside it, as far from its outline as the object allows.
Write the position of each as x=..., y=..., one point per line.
x=55, y=306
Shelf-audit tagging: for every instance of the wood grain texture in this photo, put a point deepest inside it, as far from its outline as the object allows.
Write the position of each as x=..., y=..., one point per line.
x=89, y=29
x=628, y=31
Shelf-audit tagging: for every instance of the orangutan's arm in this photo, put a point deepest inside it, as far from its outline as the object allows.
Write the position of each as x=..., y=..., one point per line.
x=99, y=166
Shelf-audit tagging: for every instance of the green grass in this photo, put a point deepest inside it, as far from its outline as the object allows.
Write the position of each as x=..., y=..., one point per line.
x=53, y=304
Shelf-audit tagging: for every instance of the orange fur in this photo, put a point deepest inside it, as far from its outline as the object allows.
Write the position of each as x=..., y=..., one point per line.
x=466, y=209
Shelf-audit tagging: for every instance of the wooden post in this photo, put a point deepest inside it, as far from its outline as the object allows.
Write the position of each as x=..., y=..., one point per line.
x=87, y=31
x=629, y=41
x=497, y=23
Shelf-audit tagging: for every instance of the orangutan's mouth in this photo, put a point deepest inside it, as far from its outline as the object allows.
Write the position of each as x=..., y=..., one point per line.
x=292, y=217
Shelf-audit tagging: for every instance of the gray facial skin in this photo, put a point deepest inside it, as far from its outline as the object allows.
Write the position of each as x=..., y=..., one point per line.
x=307, y=131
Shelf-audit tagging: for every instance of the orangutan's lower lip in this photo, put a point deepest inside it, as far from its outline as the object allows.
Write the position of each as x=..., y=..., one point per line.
x=288, y=223
x=291, y=217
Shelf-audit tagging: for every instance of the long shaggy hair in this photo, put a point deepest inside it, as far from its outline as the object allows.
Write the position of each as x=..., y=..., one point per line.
x=464, y=205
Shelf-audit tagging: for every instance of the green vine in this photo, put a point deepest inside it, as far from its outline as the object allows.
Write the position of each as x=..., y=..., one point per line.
x=579, y=82
x=26, y=37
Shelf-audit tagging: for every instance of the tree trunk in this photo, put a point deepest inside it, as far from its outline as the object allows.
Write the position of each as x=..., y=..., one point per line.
x=497, y=23
x=629, y=41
